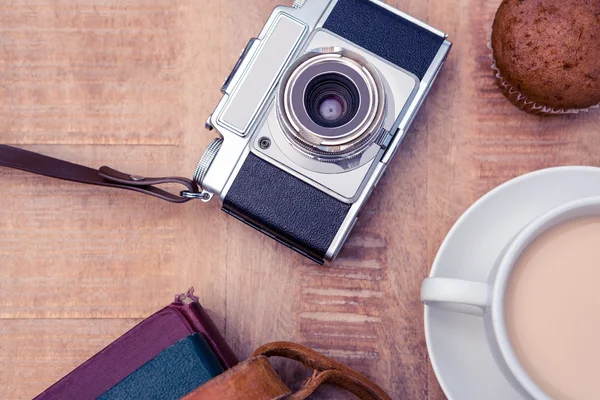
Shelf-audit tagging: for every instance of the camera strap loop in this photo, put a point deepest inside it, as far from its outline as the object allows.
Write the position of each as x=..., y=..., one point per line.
x=13, y=157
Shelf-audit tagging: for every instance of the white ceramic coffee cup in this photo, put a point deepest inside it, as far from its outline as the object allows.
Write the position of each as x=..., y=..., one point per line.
x=487, y=298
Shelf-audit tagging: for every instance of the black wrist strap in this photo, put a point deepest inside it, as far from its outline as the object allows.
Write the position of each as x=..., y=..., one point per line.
x=13, y=157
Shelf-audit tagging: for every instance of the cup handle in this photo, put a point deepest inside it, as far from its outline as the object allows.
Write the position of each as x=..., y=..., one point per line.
x=466, y=297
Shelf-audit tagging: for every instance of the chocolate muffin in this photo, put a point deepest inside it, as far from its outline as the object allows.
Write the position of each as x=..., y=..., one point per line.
x=547, y=54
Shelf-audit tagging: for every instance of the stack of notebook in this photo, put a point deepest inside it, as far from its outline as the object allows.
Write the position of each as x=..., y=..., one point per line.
x=166, y=356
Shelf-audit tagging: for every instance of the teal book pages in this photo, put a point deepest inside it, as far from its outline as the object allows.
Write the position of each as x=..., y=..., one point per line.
x=172, y=374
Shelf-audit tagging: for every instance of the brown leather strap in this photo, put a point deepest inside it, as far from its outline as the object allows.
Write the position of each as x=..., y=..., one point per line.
x=25, y=160
x=254, y=379
x=326, y=370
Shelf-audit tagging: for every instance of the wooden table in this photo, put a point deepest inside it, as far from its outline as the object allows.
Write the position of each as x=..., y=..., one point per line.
x=129, y=83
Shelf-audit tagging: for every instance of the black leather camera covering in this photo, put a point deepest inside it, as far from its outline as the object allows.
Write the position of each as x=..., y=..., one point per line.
x=384, y=33
x=285, y=208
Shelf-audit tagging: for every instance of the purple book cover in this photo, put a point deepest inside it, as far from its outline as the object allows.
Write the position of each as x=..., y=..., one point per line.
x=141, y=344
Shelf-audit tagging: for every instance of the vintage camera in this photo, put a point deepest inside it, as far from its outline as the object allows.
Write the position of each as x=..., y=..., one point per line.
x=312, y=114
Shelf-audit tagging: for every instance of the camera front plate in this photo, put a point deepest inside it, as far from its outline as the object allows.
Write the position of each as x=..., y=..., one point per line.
x=343, y=179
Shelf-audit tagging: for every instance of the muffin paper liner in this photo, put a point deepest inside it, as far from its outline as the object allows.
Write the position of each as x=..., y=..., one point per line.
x=520, y=100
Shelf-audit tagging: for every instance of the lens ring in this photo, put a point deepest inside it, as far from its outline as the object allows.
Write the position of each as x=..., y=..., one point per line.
x=356, y=79
x=338, y=74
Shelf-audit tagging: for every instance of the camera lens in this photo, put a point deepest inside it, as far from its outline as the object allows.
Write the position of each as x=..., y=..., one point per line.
x=331, y=104
x=331, y=100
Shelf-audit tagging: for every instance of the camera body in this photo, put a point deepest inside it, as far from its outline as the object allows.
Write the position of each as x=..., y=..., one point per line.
x=314, y=110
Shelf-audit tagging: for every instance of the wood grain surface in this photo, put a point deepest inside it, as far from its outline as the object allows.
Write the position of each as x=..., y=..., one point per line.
x=129, y=83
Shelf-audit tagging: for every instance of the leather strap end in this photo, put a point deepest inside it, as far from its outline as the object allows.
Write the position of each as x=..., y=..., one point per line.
x=136, y=180
x=25, y=160
x=146, y=184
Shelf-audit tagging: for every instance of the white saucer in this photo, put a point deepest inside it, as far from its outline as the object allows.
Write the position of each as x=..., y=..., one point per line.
x=456, y=343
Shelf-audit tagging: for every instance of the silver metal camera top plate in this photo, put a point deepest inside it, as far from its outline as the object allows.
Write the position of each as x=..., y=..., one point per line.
x=254, y=86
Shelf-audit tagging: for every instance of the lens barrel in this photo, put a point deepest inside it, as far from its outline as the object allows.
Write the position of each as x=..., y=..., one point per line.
x=331, y=104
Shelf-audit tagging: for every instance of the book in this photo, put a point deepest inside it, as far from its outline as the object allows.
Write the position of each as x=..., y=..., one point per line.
x=182, y=318
x=174, y=373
